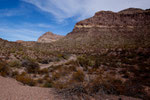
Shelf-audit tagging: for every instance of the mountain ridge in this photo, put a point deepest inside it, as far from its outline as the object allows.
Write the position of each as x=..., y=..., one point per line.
x=49, y=37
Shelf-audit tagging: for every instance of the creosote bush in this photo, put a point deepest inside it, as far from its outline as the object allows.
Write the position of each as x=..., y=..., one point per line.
x=48, y=84
x=55, y=75
x=43, y=71
x=4, y=69
x=15, y=63
x=23, y=78
x=14, y=73
x=78, y=76
x=31, y=66
x=59, y=85
x=83, y=61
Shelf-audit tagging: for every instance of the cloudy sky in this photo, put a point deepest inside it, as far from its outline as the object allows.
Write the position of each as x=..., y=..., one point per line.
x=29, y=19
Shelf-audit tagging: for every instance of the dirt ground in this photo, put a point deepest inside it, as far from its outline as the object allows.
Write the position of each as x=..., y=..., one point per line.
x=10, y=89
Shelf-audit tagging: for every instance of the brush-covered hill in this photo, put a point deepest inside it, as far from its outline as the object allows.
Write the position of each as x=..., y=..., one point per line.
x=22, y=50
x=107, y=29
x=113, y=59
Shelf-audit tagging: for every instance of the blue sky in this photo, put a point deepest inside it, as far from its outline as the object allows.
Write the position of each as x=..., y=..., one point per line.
x=29, y=19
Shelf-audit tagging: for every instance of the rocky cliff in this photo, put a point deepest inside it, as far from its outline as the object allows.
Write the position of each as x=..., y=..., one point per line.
x=49, y=37
x=128, y=18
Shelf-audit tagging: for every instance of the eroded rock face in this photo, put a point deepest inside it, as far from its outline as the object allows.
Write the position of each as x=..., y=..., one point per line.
x=49, y=37
x=128, y=18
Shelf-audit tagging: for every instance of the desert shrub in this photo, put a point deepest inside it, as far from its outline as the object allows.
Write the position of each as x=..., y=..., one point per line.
x=60, y=56
x=56, y=59
x=26, y=80
x=118, y=87
x=40, y=80
x=83, y=61
x=87, y=61
x=64, y=71
x=72, y=62
x=48, y=84
x=59, y=85
x=91, y=71
x=14, y=63
x=78, y=76
x=44, y=60
x=43, y=71
x=63, y=56
x=72, y=68
x=97, y=63
x=46, y=77
x=134, y=89
x=4, y=69
x=55, y=75
x=106, y=85
x=94, y=85
x=14, y=73
x=77, y=89
x=31, y=67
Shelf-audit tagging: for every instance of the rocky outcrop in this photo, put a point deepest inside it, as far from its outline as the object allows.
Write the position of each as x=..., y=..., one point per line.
x=128, y=18
x=49, y=37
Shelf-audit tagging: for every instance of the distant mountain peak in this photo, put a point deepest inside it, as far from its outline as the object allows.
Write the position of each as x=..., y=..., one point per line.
x=49, y=37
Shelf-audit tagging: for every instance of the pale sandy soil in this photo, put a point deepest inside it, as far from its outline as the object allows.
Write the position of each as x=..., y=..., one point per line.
x=10, y=89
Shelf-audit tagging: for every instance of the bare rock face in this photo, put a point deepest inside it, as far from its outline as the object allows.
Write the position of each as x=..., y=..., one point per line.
x=49, y=37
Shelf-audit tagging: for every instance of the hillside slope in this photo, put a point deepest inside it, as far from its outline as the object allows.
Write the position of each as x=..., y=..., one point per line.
x=107, y=29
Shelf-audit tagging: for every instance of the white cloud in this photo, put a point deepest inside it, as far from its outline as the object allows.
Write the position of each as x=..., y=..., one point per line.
x=44, y=25
x=21, y=10
x=40, y=25
x=21, y=32
x=8, y=13
x=63, y=9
